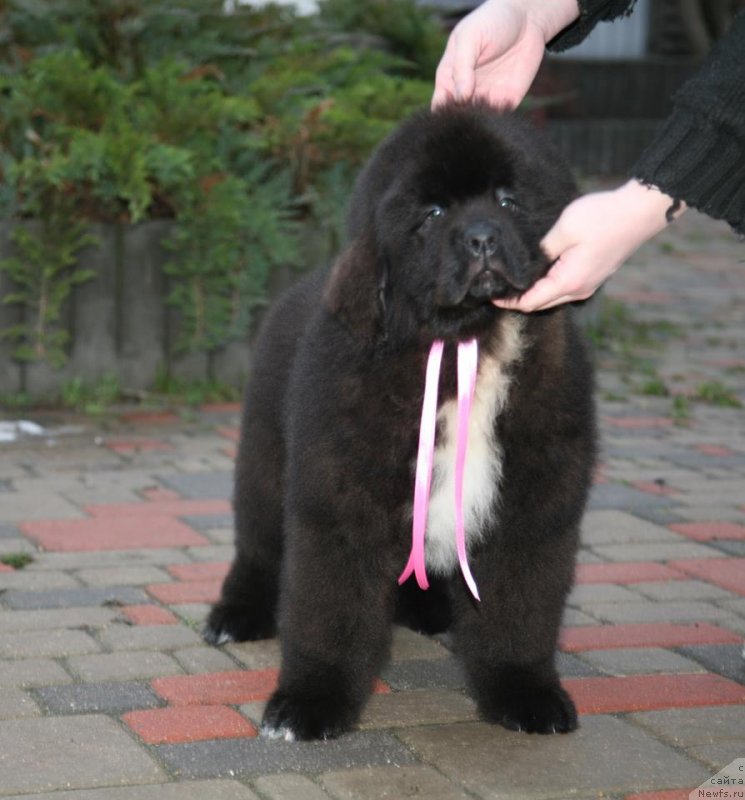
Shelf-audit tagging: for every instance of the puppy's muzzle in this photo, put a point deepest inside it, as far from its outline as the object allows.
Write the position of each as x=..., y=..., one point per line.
x=488, y=276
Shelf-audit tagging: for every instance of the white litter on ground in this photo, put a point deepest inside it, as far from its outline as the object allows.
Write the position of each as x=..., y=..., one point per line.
x=11, y=430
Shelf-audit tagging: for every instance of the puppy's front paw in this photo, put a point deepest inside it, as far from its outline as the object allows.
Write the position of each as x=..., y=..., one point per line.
x=236, y=623
x=298, y=716
x=533, y=709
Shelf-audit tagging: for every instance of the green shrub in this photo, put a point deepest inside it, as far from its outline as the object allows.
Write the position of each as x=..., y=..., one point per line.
x=243, y=128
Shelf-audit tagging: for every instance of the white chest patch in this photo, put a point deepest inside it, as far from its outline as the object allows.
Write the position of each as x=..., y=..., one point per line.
x=483, y=467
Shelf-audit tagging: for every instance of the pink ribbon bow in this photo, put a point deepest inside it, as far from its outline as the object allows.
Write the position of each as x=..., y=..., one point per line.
x=467, y=370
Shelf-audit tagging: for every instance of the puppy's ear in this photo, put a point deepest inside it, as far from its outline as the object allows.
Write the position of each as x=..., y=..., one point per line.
x=355, y=290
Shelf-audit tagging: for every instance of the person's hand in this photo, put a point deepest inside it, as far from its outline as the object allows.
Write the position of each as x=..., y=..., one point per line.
x=591, y=239
x=495, y=51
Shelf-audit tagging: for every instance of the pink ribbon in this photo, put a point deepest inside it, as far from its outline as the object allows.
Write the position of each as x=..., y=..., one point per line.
x=467, y=370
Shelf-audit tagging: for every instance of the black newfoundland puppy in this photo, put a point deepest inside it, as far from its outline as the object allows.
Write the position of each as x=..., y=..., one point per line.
x=447, y=215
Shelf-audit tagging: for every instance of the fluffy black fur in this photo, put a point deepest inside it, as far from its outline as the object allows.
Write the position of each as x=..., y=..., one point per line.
x=448, y=213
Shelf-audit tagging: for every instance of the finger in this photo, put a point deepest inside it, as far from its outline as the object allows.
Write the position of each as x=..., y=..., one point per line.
x=463, y=67
x=555, y=243
x=546, y=293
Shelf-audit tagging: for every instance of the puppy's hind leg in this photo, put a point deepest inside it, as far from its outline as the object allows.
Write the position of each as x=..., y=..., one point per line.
x=248, y=603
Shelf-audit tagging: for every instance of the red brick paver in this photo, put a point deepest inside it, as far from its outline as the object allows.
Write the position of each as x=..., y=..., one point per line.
x=226, y=688
x=149, y=615
x=137, y=445
x=217, y=688
x=606, y=637
x=638, y=423
x=650, y=692
x=174, y=508
x=186, y=591
x=626, y=572
x=178, y=724
x=200, y=571
x=709, y=531
x=728, y=573
x=112, y=533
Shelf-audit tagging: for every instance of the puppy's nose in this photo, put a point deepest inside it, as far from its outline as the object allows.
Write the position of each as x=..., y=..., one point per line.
x=480, y=239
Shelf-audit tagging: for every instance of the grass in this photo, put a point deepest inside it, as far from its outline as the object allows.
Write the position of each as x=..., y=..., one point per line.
x=654, y=387
x=681, y=410
x=617, y=331
x=100, y=396
x=193, y=392
x=91, y=398
x=16, y=560
x=717, y=394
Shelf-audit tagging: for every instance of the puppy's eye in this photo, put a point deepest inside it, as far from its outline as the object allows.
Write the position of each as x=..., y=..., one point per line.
x=431, y=215
x=506, y=200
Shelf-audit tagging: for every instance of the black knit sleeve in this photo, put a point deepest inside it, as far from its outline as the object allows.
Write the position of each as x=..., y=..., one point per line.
x=590, y=13
x=699, y=153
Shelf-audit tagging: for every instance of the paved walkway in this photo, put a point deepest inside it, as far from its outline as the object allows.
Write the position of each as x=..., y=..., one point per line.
x=108, y=693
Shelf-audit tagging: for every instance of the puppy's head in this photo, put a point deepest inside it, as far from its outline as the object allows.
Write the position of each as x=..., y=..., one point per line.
x=447, y=215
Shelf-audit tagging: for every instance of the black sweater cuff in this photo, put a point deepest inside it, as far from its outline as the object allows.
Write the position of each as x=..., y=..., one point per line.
x=694, y=161
x=590, y=13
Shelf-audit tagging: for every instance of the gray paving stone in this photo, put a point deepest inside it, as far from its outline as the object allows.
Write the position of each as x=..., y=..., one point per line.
x=692, y=726
x=52, y=619
x=122, y=576
x=679, y=611
x=383, y=783
x=209, y=521
x=571, y=666
x=610, y=526
x=32, y=672
x=8, y=531
x=640, y=660
x=656, y=551
x=419, y=707
x=204, y=659
x=665, y=591
x=29, y=581
x=221, y=536
x=259, y=756
x=42, y=644
x=409, y=645
x=193, y=614
x=724, y=659
x=733, y=548
x=123, y=666
x=721, y=492
x=718, y=755
x=70, y=753
x=65, y=598
x=289, y=787
x=30, y=505
x=120, y=636
x=15, y=703
x=587, y=594
x=616, y=496
x=109, y=558
x=722, y=513
x=211, y=485
x=425, y=674
x=574, y=617
x=101, y=698
x=660, y=516
x=192, y=790
x=493, y=762
x=214, y=552
x=20, y=545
